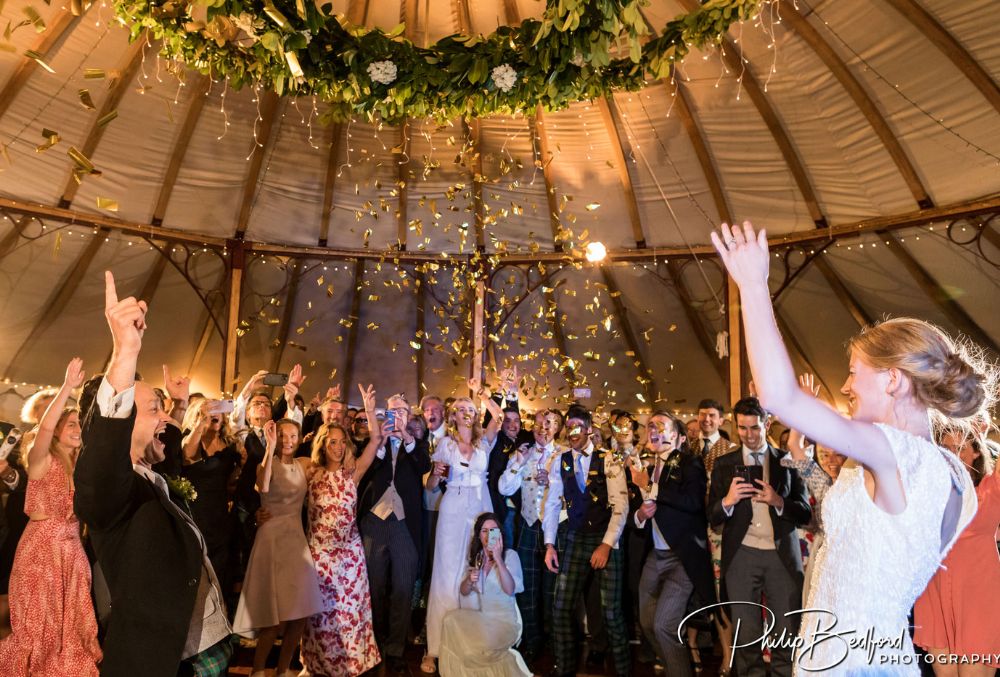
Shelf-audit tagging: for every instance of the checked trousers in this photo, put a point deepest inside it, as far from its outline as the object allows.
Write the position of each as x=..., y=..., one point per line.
x=574, y=572
x=535, y=603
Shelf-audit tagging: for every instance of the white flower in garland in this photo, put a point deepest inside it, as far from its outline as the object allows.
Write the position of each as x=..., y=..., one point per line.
x=504, y=77
x=382, y=72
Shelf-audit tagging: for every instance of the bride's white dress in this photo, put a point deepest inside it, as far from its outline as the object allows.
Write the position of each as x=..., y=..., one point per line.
x=873, y=565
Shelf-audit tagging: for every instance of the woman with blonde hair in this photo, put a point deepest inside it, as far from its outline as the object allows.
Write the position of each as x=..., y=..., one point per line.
x=461, y=458
x=340, y=641
x=890, y=519
x=211, y=458
x=51, y=613
x=957, y=614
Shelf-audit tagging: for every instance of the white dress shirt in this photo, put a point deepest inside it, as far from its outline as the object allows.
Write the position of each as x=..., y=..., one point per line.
x=748, y=459
x=617, y=497
x=659, y=542
x=238, y=417
x=390, y=502
x=524, y=476
x=209, y=624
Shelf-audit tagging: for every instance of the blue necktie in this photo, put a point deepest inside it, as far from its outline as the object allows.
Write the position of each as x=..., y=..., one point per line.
x=581, y=479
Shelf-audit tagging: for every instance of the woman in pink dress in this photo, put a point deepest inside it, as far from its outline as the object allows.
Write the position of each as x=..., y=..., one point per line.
x=52, y=617
x=339, y=642
x=957, y=614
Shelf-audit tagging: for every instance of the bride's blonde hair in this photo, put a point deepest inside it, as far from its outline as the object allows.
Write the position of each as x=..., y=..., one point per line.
x=951, y=378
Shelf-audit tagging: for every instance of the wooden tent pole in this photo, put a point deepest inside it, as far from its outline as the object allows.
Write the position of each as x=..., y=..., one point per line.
x=234, y=285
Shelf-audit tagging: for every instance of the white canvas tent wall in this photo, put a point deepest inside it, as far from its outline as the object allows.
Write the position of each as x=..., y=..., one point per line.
x=868, y=122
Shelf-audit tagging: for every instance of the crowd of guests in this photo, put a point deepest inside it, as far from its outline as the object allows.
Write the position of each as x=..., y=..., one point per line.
x=162, y=524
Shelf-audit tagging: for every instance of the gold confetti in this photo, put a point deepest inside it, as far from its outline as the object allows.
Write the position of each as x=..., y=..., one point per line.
x=51, y=139
x=35, y=18
x=107, y=118
x=94, y=74
x=107, y=203
x=32, y=54
x=85, y=99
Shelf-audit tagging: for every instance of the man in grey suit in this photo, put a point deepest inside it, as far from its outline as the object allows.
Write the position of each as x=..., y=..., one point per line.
x=761, y=554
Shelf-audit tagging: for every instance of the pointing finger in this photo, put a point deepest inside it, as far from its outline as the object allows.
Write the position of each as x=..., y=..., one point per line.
x=110, y=292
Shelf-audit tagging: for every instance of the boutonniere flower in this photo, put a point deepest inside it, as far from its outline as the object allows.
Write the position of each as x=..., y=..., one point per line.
x=182, y=488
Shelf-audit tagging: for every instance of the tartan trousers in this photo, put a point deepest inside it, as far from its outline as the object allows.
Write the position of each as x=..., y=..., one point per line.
x=574, y=570
x=535, y=603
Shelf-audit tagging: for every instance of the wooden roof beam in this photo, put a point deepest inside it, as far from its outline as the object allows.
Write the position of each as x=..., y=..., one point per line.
x=330, y=184
x=796, y=349
x=862, y=100
x=843, y=294
x=133, y=59
x=543, y=160
x=474, y=135
x=268, y=113
x=705, y=339
x=643, y=371
x=952, y=309
x=55, y=29
x=925, y=22
x=357, y=13
x=403, y=185
x=287, y=313
x=58, y=299
x=199, y=93
x=701, y=151
x=355, y=318
x=622, y=150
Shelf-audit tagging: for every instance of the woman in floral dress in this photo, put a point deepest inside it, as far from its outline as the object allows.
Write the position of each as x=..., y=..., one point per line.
x=339, y=642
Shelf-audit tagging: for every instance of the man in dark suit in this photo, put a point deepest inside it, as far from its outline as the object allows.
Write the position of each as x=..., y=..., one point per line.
x=390, y=517
x=761, y=554
x=168, y=617
x=672, y=516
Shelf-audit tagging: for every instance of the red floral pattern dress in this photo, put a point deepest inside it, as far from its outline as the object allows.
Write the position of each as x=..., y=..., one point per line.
x=52, y=617
x=340, y=640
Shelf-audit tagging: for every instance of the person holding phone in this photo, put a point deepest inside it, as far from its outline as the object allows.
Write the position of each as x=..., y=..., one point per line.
x=759, y=504
x=211, y=458
x=478, y=637
x=462, y=457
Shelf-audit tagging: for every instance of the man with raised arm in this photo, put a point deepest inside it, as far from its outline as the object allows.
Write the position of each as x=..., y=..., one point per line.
x=168, y=617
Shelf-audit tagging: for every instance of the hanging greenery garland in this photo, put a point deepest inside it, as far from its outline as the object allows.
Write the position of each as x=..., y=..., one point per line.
x=299, y=46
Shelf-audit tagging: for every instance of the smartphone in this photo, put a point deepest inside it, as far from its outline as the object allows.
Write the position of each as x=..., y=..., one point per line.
x=275, y=379
x=219, y=407
x=492, y=538
x=750, y=473
x=10, y=441
x=390, y=418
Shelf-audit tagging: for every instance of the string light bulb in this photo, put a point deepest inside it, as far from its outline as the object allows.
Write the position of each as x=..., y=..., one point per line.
x=596, y=252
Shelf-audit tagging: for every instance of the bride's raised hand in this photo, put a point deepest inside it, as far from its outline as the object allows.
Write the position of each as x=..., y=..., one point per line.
x=744, y=253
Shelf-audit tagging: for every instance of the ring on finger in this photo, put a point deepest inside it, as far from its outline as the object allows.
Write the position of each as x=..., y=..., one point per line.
x=731, y=242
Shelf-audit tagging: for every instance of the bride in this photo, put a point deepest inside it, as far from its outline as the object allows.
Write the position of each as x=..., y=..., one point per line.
x=893, y=514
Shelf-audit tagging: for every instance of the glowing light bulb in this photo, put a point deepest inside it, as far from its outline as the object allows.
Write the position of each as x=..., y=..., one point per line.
x=596, y=251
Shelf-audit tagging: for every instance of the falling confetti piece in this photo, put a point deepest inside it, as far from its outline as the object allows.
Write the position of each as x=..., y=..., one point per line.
x=51, y=139
x=107, y=118
x=32, y=54
x=85, y=99
x=107, y=203
x=94, y=74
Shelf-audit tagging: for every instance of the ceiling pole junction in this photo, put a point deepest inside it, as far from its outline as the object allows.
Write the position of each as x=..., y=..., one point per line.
x=932, y=29
x=954, y=311
x=57, y=26
x=7, y=244
x=133, y=60
x=645, y=374
x=58, y=300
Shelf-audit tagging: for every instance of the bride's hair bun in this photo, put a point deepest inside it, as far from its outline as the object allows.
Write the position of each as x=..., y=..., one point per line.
x=948, y=376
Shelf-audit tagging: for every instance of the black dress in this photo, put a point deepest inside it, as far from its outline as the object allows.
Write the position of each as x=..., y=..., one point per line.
x=210, y=476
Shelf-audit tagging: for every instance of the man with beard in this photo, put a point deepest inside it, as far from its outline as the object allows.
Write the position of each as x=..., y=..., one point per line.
x=168, y=617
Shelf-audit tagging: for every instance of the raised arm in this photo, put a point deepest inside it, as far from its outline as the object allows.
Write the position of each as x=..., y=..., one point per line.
x=744, y=253
x=178, y=388
x=38, y=451
x=375, y=434
x=264, y=469
x=192, y=442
